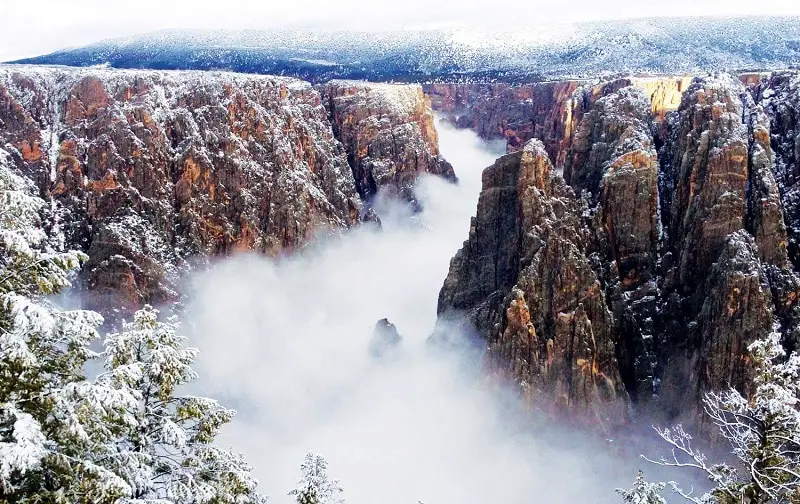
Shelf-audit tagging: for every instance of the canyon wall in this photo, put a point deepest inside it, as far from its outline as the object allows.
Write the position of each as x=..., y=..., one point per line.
x=151, y=172
x=549, y=111
x=637, y=236
x=388, y=133
x=644, y=271
x=524, y=281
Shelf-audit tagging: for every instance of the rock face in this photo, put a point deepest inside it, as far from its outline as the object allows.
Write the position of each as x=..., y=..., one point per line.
x=388, y=133
x=514, y=113
x=776, y=141
x=735, y=309
x=710, y=163
x=664, y=259
x=725, y=230
x=385, y=340
x=779, y=138
x=613, y=161
x=549, y=111
x=149, y=169
x=524, y=281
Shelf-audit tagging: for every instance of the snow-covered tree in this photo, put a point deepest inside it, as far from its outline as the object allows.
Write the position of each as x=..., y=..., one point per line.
x=30, y=264
x=643, y=492
x=125, y=437
x=164, y=448
x=314, y=487
x=763, y=431
x=49, y=415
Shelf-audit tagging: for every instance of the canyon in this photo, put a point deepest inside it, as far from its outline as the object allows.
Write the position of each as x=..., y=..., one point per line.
x=635, y=239
x=636, y=236
x=154, y=173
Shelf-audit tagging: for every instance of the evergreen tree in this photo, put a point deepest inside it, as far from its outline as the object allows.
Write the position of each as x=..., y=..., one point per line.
x=125, y=437
x=49, y=415
x=164, y=448
x=763, y=432
x=31, y=264
x=314, y=487
x=643, y=492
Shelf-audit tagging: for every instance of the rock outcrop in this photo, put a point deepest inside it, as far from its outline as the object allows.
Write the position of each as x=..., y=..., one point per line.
x=514, y=113
x=725, y=253
x=388, y=133
x=779, y=138
x=669, y=248
x=151, y=169
x=710, y=352
x=549, y=111
x=775, y=124
x=709, y=160
x=385, y=340
x=613, y=161
x=524, y=281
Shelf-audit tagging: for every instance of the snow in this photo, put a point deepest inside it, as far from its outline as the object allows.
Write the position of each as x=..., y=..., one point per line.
x=659, y=45
x=26, y=450
x=394, y=100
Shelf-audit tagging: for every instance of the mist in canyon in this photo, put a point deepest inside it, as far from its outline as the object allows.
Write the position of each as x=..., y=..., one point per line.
x=285, y=343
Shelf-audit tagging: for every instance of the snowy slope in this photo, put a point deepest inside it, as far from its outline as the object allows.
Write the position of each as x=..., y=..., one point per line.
x=663, y=45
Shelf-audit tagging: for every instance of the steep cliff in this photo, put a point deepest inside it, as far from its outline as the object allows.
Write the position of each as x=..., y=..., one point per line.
x=524, y=281
x=149, y=170
x=779, y=95
x=776, y=141
x=709, y=161
x=549, y=111
x=613, y=161
x=514, y=113
x=723, y=230
x=388, y=133
x=672, y=243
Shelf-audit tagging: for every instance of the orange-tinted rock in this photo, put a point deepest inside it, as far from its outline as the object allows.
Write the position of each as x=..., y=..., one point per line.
x=524, y=281
x=549, y=111
x=85, y=99
x=613, y=159
x=388, y=133
x=727, y=234
x=31, y=153
x=710, y=159
x=665, y=93
x=153, y=168
x=668, y=266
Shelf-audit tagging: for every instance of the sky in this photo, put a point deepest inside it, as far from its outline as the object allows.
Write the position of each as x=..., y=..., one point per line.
x=35, y=27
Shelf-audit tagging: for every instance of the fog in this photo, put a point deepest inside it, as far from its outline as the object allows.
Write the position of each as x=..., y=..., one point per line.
x=285, y=343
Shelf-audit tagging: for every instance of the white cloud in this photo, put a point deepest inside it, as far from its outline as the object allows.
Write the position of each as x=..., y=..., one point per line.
x=32, y=27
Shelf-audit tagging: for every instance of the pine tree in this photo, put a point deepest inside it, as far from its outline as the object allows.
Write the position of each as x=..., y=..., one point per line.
x=314, y=487
x=763, y=432
x=48, y=413
x=164, y=448
x=125, y=437
x=643, y=492
x=31, y=264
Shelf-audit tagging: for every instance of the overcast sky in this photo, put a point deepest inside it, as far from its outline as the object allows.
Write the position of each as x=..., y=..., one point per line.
x=34, y=27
